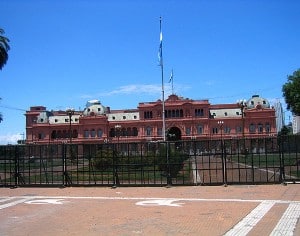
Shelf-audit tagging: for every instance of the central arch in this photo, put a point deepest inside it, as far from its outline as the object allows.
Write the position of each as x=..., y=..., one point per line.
x=174, y=134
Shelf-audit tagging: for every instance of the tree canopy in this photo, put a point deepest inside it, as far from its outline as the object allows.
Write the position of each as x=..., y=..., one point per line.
x=4, y=47
x=291, y=92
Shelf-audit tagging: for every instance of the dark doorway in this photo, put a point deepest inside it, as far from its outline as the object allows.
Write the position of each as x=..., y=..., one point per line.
x=174, y=134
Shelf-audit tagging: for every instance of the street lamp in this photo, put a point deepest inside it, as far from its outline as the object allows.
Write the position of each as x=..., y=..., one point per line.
x=243, y=104
x=221, y=124
x=117, y=131
x=115, y=157
x=70, y=112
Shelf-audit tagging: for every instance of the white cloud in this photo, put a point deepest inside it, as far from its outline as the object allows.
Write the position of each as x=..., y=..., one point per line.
x=135, y=89
x=150, y=89
x=139, y=89
x=9, y=139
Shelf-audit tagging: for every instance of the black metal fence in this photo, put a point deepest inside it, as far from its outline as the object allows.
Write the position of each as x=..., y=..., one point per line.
x=214, y=162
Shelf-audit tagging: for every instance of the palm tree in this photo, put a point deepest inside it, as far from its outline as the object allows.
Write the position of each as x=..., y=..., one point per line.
x=4, y=47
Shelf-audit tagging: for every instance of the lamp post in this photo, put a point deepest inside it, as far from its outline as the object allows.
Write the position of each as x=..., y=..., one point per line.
x=115, y=157
x=70, y=112
x=66, y=178
x=242, y=104
x=221, y=124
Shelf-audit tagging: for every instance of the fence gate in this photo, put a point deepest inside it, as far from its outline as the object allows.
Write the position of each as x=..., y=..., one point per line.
x=213, y=162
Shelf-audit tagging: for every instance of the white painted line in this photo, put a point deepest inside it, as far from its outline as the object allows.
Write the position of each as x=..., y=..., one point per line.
x=45, y=201
x=7, y=199
x=245, y=225
x=10, y=204
x=288, y=221
x=159, y=202
x=158, y=198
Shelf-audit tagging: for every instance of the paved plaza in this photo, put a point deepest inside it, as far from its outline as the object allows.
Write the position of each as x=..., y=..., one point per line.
x=194, y=210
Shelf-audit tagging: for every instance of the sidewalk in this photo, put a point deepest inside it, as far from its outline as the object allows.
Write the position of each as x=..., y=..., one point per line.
x=198, y=210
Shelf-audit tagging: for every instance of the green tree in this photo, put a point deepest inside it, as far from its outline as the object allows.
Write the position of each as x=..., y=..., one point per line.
x=291, y=92
x=4, y=47
x=286, y=130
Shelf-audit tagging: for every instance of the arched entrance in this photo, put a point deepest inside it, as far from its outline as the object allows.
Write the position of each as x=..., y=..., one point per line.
x=174, y=134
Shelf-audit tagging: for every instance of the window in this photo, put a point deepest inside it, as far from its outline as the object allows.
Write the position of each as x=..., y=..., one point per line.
x=199, y=112
x=53, y=134
x=260, y=128
x=93, y=133
x=252, y=128
x=134, y=117
x=148, y=115
x=199, y=129
x=159, y=131
x=128, y=131
x=268, y=128
x=41, y=136
x=56, y=120
x=188, y=131
x=173, y=113
x=86, y=134
x=124, y=117
x=66, y=120
x=113, y=117
x=135, y=131
x=99, y=133
x=227, y=130
x=148, y=131
x=238, y=129
x=214, y=130
x=225, y=113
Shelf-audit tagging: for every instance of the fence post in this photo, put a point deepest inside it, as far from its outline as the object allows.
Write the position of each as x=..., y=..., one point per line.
x=16, y=174
x=281, y=156
x=63, y=164
x=116, y=181
x=169, y=178
x=223, y=157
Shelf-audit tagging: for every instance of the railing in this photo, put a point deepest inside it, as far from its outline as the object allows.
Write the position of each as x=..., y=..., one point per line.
x=215, y=162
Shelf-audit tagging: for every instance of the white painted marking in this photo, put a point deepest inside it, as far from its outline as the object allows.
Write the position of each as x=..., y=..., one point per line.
x=45, y=201
x=13, y=203
x=158, y=198
x=159, y=202
x=245, y=225
x=288, y=221
x=7, y=199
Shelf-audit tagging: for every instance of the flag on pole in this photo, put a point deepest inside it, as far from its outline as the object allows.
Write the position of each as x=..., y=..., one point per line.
x=160, y=59
x=171, y=76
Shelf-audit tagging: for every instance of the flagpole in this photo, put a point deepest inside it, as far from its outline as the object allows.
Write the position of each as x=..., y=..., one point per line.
x=162, y=84
x=172, y=82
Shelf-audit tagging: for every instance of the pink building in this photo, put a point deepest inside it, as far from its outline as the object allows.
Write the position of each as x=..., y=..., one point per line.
x=185, y=119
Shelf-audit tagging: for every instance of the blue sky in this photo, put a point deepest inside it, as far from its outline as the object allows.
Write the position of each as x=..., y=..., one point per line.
x=64, y=53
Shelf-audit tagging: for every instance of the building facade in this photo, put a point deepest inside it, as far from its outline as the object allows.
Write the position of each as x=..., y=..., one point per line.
x=296, y=124
x=185, y=119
